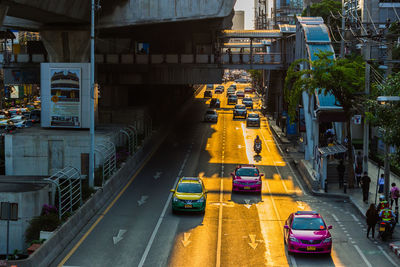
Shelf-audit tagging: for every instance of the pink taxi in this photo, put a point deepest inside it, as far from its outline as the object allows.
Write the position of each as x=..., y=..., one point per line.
x=306, y=232
x=246, y=178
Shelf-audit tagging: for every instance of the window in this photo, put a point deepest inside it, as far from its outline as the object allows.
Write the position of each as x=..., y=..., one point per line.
x=308, y=224
x=189, y=188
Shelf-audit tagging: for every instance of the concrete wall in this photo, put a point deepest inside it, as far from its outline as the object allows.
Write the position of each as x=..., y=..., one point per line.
x=238, y=20
x=29, y=205
x=122, y=13
x=44, y=152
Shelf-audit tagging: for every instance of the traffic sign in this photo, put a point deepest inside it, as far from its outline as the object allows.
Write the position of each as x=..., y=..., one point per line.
x=357, y=119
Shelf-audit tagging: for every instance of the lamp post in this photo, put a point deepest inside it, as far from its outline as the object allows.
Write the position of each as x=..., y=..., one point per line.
x=91, y=154
x=383, y=100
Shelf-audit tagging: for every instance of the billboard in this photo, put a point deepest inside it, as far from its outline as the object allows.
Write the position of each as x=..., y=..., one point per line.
x=65, y=101
x=65, y=95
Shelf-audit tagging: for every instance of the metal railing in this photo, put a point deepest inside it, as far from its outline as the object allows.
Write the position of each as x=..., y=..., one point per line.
x=107, y=151
x=69, y=186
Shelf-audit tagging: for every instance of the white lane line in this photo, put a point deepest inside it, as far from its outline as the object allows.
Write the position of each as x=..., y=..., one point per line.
x=219, y=234
x=362, y=256
x=292, y=259
x=387, y=256
x=160, y=219
x=334, y=217
x=355, y=218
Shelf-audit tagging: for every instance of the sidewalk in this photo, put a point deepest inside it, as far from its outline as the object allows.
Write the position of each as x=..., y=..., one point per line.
x=354, y=195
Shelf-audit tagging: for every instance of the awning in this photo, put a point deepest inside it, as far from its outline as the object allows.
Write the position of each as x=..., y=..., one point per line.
x=332, y=150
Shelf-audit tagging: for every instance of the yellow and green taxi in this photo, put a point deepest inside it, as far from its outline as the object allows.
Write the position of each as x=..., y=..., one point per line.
x=189, y=195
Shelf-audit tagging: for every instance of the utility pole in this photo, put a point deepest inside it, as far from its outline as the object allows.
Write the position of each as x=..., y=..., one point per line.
x=367, y=57
x=342, y=39
x=92, y=66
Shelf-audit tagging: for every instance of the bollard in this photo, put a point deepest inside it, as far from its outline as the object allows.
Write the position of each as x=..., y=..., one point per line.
x=326, y=186
x=345, y=187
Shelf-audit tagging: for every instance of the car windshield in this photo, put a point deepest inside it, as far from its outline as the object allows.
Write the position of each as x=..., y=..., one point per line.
x=212, y=112
x=253, y=115
x=189, y=188
x=247, y=172
x=232, y=96
x=240, y=107
x=247, y=99
x=308, y=224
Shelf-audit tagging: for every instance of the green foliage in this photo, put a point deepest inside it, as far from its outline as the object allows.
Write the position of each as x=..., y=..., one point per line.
x=343, y=78
x=387, y=115
x=256, y=76
x=323, y=9
x=47, y=222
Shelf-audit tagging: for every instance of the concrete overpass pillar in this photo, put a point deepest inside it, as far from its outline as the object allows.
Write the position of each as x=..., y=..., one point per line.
x=3, y=13
x=67, y=46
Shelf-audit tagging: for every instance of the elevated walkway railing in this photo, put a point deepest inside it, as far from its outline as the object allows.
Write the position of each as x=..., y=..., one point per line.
x=243, y=58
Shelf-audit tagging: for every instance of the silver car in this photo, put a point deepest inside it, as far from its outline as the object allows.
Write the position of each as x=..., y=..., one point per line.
x=211, y=115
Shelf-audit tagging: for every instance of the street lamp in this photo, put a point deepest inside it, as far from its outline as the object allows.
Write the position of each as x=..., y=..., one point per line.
x=383, y=100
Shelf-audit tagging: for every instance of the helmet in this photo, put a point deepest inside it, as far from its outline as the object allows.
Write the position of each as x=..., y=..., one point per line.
x=381, y=197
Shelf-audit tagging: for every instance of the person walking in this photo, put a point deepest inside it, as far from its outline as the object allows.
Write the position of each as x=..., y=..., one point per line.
x=365, y=181
x=358, y=173
x=341, y=169
x=394, y=195
x=372, y=219
x=381, y=183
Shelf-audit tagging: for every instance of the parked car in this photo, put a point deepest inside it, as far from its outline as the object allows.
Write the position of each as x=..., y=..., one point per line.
x=253, y=119
x=232, y=99
x=239, y=111
x=215, y=103
x=211, y=115
x=17, y=118
x=23, y=124
x=35, y=115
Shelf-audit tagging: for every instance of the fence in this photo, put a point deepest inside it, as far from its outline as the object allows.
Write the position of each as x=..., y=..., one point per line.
x=69, y=186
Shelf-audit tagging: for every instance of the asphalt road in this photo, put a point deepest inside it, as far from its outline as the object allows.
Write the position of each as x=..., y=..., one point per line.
x=139, y=228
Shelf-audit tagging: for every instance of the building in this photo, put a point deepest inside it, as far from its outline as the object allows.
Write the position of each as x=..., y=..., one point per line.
x=238, y=20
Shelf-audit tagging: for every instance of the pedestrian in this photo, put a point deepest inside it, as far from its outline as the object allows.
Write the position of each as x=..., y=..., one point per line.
x=358, y=173
x=381, y=183
x=365, y=181
x=372, y=219
x=394, y=195
x=341, y=169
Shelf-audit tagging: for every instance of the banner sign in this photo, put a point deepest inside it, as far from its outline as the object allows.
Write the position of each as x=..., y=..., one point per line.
x=65, y=101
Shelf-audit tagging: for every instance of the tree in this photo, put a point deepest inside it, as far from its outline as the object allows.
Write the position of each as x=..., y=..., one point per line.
x=257, y=78
x=325, y=9
x=386, y=117
x=343, y=78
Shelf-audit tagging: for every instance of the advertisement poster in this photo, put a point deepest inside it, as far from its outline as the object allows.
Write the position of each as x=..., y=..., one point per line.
x=65, y=88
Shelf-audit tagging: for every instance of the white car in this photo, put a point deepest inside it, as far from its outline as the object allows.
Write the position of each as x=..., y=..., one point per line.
x=211, y=115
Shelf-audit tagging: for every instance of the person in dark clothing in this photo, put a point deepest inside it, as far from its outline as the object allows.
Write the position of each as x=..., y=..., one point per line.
x=372, y=219
x=341, y=169
x=365, y=181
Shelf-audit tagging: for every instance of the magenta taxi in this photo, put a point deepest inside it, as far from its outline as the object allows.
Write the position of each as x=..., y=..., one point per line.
x=246, y=178
x=306, y=232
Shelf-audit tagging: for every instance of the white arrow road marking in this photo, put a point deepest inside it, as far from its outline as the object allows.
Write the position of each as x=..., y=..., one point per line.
x=354, y=217
x=300, y=205
x=253, y=243
x=142, y=200
x=186, y=240
x=119, y=237
x=248, y=205
x=157, y=175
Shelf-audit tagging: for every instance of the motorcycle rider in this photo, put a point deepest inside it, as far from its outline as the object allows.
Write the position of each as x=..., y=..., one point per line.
x=388, y=216
x=382, y=203
x=257, y=141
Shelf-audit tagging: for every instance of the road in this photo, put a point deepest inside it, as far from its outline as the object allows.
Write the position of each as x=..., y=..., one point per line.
x=139, y=229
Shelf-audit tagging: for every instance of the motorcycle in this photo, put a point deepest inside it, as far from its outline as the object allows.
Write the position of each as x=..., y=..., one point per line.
x=257, y=148
x=384, y=230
